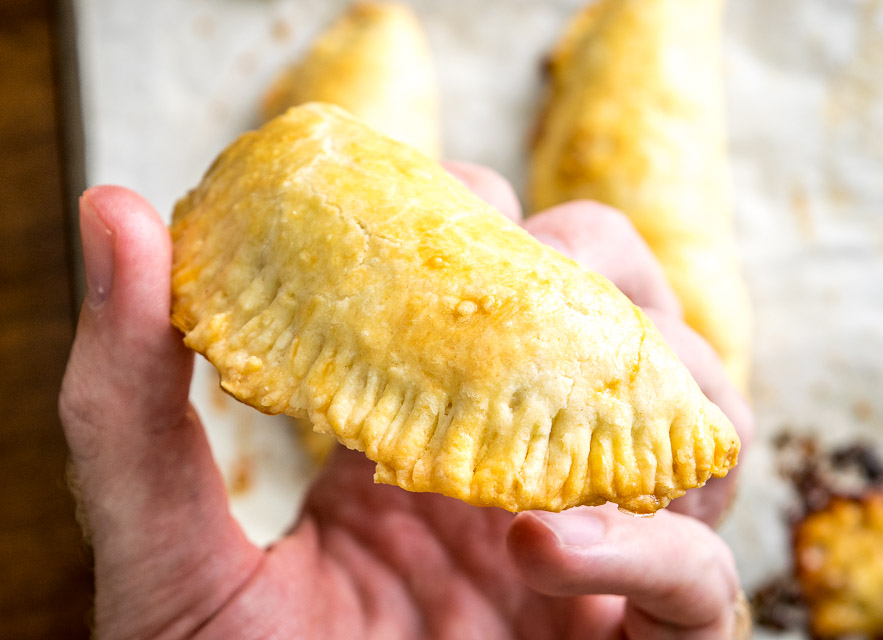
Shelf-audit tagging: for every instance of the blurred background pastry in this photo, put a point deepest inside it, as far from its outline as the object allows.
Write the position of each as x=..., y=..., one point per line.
x=375, y=62
x=634, y=118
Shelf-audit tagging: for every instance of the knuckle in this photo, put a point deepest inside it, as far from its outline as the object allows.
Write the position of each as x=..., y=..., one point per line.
x=614, y=221
x=78, y=419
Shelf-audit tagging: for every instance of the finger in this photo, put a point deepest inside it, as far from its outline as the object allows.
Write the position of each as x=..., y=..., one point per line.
x=128, y=376
x=488, y=185
x=711, y=502
x=678, y=577
x=605, y=241
x=147, y=480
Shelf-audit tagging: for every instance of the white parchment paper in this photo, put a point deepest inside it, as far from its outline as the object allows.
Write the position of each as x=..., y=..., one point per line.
x=167, y=84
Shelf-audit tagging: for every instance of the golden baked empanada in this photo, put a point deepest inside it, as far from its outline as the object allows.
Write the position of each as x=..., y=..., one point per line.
x=375, y=62
x=634, y=118
x=331, y=272
x=839, y=558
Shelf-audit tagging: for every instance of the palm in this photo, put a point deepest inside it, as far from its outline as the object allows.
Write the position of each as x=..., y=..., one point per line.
x=384, y=563
x=432, y=566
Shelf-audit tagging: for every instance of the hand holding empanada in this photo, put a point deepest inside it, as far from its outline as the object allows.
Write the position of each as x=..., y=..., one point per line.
x=363, y=558
x=328, y=271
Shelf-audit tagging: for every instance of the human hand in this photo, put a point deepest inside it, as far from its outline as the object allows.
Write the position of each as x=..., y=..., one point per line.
x=364, y=560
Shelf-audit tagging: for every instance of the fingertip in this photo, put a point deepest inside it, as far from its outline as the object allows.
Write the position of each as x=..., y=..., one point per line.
x=656, y=562
x=528, y=533
x=112, y=203
x=561, y=227
x=124, y=324
x=553, y=551
x=488, y=185
x=141, y=249
x=99, y=248
x=535, y=550
x=563, y=220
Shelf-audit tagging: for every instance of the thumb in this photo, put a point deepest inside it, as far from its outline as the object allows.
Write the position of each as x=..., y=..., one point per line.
x=678, y=577
x=153, y=499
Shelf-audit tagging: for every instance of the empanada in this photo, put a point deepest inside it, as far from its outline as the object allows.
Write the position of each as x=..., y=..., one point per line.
x=634, y=118
x=331, y=272
x=839, y=558
x=375, y=62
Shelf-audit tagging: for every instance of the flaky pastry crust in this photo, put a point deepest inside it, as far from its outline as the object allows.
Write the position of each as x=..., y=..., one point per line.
x=332, y=273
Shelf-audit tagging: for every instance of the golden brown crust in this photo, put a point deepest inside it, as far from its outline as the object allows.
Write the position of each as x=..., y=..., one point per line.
x=375, y=62
x=839, y=562
x=634, y=118
x=330, y=272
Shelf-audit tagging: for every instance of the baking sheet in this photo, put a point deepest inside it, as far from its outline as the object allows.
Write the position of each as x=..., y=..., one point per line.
x=167, y=84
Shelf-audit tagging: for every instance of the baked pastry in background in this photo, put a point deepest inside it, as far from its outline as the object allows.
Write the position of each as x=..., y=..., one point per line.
x=634, y=118
x=333, y=273
x=839, y=564
x=375, y=62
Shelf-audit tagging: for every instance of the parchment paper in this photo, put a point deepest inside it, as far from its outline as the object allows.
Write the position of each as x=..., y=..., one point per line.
x=167, y=84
